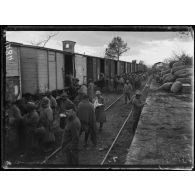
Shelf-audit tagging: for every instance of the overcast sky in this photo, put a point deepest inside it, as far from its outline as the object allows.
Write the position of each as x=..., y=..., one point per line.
x=151, y=47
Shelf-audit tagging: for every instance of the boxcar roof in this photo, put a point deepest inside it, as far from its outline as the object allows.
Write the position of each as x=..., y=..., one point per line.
x=57, y=50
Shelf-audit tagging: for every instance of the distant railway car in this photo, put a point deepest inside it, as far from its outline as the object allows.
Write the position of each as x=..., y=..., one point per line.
x=107, y=68
x=112, y=68
x=90, y=68
x=96, y=66
x=133, y=66
x=128, y=67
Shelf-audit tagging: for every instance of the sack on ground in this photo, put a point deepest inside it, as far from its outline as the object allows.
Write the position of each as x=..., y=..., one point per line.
x=166, y=71
x=187, y=71
x=185, y=80
x=169, y=78
x=166, y=86
x=177, y=68
x=176, y=64
x=176, y=87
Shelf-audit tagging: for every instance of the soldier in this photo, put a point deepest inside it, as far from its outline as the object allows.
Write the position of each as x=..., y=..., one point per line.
x=53, y=103
x=16, y=122
x=70, y=139
x=137, y=108
x=63, y=101
x=82, y=91
x=86, y=114
x=127, y=90
x=90, y=90
x=31, y=120
x=112, y=84
x=46, y=120
x=99, y=110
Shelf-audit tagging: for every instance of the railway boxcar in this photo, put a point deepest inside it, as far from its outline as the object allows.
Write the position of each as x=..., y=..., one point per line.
x=81, y=68
x=107, y=68
x=41, y=69
x=96, y=63
x=112, y=68
x=90, y=68
x=121, y=67
x=128, y=67
x=13, y=74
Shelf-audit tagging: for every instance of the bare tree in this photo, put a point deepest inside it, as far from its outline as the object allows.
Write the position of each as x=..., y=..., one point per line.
x=42, y=43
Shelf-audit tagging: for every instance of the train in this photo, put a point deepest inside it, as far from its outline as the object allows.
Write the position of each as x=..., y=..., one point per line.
x=33, y=69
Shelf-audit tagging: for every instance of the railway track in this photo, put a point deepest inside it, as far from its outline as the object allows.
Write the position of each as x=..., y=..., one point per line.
x=120, y=130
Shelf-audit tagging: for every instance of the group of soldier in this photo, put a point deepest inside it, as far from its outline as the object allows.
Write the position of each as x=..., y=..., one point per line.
x=78, y=116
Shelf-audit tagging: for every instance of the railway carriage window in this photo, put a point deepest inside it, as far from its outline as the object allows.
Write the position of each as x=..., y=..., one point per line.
x=67, y=45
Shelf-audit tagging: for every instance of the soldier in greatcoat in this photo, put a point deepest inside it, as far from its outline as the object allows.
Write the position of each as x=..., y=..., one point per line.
x=63, y=101
x=70, y=138
x=53, y=103
x=46, y=121
x=90, y=90
x=31, y=120
x=86, y=114
x=99, y=110
x=137, y=108
x=127, y=91
x=15, y=122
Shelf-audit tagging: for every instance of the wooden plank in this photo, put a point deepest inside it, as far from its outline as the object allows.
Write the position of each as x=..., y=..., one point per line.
x=60, y=65
x=42, y=70
x=52, y=70
x=29, y=70
x=80, y=67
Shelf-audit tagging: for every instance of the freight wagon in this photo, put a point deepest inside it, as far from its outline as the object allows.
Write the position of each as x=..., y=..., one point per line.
x=33, y=69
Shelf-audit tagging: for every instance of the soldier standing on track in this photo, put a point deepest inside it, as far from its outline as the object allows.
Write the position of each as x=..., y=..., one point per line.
x=46, y=121
x=137, y=108
x=99, y=110
x=90, y=90
x=127, y=90
x=86, y=114
x=70, y=139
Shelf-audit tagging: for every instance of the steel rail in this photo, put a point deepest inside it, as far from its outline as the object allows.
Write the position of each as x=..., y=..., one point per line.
x=121, y=128
x=113, y=102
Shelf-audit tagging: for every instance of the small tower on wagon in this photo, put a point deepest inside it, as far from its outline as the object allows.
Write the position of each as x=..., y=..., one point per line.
x=68, y=46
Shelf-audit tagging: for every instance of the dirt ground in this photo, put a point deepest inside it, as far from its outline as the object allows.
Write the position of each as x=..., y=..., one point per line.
x=164, y=136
